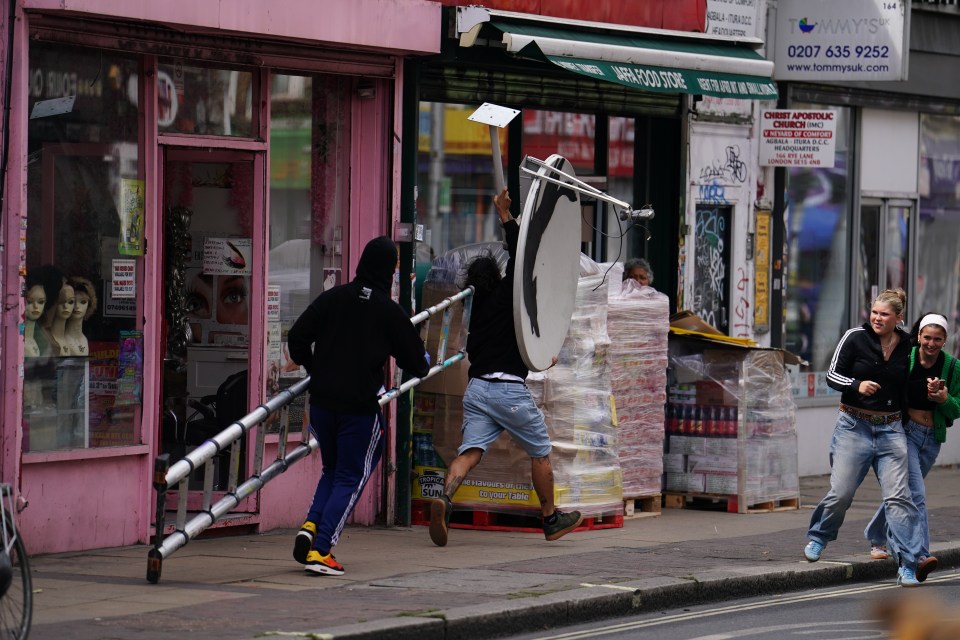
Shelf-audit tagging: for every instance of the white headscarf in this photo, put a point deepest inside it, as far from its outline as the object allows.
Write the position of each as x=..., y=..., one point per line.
x=934, y=318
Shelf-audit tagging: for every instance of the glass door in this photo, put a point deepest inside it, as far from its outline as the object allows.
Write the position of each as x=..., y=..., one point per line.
x=210, y=209
x=883, y=257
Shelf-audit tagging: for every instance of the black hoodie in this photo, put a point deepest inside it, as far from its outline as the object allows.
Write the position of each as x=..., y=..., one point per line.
x=345, y=336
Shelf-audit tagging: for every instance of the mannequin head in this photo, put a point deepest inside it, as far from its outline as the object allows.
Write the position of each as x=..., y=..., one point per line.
x=66, y=302
x=44, y=283
x=86, y=297
x=36, y=302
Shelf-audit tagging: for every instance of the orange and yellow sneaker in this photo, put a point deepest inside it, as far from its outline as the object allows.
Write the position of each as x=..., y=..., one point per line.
x=323, y=564
x=304, y=542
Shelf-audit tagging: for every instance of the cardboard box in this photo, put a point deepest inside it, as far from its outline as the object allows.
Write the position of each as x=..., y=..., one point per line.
x=687, y=444
x=720, y=483
x=685, y=482
x=428, y=482
x=452, y=381
x=715, y=393
x=674, y=462
x=722, y=447
x=692, y=322
x=705, y=464
x=724, y=364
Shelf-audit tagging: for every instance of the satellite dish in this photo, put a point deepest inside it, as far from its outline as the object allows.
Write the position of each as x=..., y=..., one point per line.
x=547, y=265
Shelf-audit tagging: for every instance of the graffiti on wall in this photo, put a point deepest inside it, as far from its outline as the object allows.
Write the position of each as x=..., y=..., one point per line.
x=729, y=169
x=741, y=308
x=711, y=243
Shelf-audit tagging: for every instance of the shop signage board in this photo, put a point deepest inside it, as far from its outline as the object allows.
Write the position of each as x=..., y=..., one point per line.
x=849, y=40
x=761, y=279
x=732, y=18
x=797, y=138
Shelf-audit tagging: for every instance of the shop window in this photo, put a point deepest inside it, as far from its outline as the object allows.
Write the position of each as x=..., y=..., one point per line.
x=818, y=234
x=572, y=135
x=454, y=180
x=937, y=284
x=202, y=100
x=309, y=170
x=83, y=343
x=621, y=242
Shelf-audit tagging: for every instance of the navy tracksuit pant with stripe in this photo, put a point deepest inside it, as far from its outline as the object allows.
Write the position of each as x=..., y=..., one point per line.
x=350, y=448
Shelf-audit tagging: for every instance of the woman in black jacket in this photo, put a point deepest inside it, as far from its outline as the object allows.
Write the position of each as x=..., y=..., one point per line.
x=869, y=368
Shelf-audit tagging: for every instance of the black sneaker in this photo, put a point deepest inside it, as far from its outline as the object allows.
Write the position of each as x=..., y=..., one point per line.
x=564, y=524
x=440, y=511
x=304, y=542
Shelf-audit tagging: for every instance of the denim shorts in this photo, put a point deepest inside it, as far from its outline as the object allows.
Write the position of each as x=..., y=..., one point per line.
x=489, y=408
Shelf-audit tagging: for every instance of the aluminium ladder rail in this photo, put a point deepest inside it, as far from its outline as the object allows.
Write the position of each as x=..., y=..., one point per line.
x=166, y=475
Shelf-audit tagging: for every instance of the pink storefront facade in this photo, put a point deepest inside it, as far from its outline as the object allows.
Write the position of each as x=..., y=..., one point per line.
x=181, y=178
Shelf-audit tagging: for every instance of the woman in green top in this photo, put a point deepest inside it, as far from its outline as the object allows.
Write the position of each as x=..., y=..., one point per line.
x=933, y=398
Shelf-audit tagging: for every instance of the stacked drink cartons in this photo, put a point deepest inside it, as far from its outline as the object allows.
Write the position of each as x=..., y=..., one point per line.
x=638, y=324
x=578, y=407
x=731, y=418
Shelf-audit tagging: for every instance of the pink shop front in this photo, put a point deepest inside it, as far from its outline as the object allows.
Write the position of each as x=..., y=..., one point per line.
x=182, y=178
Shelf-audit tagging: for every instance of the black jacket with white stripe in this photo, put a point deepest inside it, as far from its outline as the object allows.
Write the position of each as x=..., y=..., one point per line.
x=859, y=357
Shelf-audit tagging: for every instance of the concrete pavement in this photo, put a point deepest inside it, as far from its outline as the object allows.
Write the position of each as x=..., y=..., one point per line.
x=481, y=585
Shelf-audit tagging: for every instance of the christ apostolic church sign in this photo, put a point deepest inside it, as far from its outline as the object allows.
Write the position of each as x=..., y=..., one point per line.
x=797, y=138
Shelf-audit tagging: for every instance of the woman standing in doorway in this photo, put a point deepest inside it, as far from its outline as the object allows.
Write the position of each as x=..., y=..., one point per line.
x=933, y=403
x=869, y=368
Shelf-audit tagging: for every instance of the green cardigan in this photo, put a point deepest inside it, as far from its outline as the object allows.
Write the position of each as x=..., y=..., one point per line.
x=946, y=413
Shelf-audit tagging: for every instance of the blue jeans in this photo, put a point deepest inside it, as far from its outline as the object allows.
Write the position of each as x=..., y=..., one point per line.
x=922, y=449
x=857, y=446
x=490, y=408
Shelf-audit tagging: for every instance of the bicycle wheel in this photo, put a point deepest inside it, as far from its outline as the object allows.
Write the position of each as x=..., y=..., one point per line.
x=16, y=607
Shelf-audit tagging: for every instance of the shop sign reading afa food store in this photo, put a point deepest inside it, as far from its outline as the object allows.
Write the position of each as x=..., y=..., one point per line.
x=848, y=40
x=797, y=138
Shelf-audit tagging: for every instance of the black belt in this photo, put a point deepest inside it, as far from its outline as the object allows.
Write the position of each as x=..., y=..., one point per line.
x=869, y=417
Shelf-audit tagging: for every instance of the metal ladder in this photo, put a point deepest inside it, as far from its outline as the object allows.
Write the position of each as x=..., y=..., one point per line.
x=167, y=475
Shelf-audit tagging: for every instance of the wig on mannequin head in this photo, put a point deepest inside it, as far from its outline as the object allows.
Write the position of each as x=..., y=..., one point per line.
x=82, y=285
x=483, y=273
x=50, y=278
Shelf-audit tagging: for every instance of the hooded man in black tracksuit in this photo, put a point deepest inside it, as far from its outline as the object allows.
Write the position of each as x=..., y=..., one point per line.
x=343, y=339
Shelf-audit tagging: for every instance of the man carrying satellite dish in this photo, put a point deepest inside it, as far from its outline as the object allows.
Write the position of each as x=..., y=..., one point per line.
x=497, y=398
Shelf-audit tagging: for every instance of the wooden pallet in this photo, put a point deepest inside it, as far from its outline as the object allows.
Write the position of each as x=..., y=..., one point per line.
x=508, y=519
x=642, y=506
x=714, y=502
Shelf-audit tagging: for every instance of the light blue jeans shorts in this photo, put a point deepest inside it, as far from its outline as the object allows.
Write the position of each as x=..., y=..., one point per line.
x=489, y=408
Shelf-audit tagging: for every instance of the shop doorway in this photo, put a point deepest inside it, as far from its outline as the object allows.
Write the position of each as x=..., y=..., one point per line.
x=711, y=285
x=883, y=259
x=211, y=211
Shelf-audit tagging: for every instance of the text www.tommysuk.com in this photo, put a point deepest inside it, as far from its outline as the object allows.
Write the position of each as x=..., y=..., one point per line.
x=842, y=68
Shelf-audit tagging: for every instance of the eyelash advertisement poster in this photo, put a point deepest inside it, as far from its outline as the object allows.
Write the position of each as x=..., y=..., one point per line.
x=217, y=293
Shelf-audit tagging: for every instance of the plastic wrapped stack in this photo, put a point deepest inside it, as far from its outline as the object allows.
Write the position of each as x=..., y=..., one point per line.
x=577, y=405
x=731, y=419
x=638, y=322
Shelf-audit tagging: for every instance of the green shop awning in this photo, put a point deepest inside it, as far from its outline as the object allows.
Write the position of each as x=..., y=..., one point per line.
x=689, y=64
